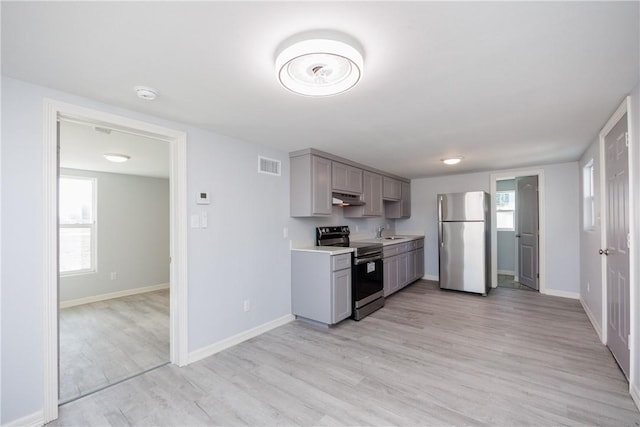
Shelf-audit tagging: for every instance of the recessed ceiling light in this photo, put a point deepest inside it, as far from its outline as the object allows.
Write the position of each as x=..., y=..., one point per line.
x=452, y=160
x=146, y=93
x=319, y=67
x=116, y=158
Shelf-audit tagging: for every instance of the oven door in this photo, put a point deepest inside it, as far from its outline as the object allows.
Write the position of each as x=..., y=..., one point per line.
x=367, y=280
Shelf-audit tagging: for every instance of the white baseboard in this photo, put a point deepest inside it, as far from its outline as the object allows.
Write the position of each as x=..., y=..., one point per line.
x=507, y=272
x=634, y=391
x=111, y=295
x=430, y=277
x=592, y=319
x=33, y=420
x=563, y=294
x=212, y=349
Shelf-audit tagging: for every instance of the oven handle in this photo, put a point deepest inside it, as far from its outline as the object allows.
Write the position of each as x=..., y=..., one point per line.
x=359, y=261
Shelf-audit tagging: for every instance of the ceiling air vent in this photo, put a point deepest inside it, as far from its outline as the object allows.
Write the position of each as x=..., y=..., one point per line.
x=268, y=166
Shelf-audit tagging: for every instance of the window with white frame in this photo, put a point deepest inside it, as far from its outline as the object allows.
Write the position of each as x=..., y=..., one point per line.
x=505, y=210
x=588, y=190
x=77, y=224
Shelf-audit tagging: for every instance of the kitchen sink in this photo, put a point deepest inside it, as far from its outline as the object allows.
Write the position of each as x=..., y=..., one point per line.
x=394, y=238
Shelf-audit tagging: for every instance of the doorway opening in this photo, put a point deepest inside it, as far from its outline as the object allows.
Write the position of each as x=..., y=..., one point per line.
x=517, y=230
x=113, y=256
x=54, y=112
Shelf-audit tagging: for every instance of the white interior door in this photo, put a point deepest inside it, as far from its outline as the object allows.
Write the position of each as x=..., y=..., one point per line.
x=617, y=242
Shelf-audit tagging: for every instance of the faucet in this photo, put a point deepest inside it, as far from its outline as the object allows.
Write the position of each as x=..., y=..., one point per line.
x=379, y=232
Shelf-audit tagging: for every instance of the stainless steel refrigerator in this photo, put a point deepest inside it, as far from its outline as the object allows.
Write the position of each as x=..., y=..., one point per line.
x=464, y=242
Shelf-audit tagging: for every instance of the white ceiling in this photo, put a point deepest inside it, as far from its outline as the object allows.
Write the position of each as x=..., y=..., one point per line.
x=503, y=84
x=82, y=147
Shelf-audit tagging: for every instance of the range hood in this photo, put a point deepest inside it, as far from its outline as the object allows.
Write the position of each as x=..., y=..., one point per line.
x=341, y=199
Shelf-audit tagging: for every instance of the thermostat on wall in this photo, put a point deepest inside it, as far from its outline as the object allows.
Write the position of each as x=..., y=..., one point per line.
x=202, y=198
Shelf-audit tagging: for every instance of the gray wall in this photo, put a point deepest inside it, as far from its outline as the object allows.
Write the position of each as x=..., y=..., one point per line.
x=241, y=255
x=506, y=239
x=590, y=260
x=561, y=216
x=133, y=235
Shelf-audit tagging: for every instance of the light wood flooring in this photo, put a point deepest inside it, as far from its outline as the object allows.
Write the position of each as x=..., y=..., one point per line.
x=507, y=281
x=429, y=357
x=105, y=342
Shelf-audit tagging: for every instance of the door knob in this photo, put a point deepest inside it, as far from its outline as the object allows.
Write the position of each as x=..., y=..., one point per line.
x=517, y=235
x=604, y=252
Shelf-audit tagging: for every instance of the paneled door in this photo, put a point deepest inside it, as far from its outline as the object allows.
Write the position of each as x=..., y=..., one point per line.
x=617, y=242
x=527, y=234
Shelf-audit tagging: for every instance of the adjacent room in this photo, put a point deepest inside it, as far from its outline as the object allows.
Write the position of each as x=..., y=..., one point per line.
x=113, y=257
x=313, y=213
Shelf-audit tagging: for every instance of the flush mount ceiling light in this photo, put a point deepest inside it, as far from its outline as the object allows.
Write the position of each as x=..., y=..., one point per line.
x=452, y=160
x=319, y=66
x=116, y=158
x=146, y=93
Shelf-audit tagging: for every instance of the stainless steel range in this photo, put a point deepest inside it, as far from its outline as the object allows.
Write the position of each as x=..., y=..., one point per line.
x=366, y=271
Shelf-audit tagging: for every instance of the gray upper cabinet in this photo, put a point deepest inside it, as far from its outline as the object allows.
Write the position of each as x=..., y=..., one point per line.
x=346, y=179
x=401, y=208
x=371, y=195
x=310, y=186
x=391, y=189
x=315, y=175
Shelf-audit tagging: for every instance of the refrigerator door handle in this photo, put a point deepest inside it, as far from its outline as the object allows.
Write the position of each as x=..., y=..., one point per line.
x=441, y=208
x=441, y=235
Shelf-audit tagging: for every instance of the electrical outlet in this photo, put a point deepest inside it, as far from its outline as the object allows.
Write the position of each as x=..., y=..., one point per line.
x=588, y=287
x=114, y=275
x=285, y=232
x=247, y=305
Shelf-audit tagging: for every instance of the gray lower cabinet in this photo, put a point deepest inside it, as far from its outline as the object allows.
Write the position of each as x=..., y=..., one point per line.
x=321, y=286
x=403, y=264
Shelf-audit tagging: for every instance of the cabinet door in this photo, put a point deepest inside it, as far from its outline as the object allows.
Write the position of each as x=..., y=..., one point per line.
x=405, y=211
x=391, y=189
x=411, y=267
x=372, y=194
x=402, y=207
x=403, y=269
x=341, y=293
x=419, y=263
x=320, y=186
x=346, y=178
x=390, y=267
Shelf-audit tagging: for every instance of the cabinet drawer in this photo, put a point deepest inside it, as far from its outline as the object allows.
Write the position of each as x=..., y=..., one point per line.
x=391, y=250
x=340, y=262
x=419, y=243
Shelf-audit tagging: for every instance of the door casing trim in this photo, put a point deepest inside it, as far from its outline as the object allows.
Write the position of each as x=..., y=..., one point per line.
x=542, y=266
x=53, y=110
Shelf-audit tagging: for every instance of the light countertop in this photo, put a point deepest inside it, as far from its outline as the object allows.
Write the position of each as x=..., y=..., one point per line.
x=331, y=250
x=401, y=238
